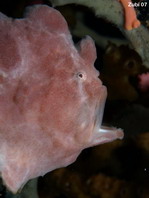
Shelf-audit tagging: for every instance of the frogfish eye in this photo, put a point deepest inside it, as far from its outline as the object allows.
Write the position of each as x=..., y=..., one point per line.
x=81, y=75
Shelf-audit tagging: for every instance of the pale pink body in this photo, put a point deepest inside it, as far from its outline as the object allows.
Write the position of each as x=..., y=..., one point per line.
x=51, y=99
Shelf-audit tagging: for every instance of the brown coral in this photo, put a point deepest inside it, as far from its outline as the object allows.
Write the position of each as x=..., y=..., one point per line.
x=119, y=65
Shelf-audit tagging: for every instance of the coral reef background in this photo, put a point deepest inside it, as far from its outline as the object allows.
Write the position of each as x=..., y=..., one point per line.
x=121, y=168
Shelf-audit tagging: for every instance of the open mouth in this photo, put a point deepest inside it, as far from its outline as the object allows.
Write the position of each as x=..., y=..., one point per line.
x=100, y=108
x=103, y=134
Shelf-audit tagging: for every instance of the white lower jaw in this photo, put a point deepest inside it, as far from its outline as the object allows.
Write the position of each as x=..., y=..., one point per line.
x=112, y=130
x=105, y=135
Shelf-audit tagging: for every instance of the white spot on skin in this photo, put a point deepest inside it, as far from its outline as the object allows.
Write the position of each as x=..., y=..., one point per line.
x=83, y=125
x=3, y=74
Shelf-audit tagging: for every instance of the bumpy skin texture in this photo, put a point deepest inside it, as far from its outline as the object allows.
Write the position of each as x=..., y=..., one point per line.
x=51, y=99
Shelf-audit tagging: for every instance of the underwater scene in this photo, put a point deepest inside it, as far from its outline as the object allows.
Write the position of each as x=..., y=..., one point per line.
x=74, y=99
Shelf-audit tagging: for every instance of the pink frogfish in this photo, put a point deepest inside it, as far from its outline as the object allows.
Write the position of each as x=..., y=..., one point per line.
x=51, y=97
